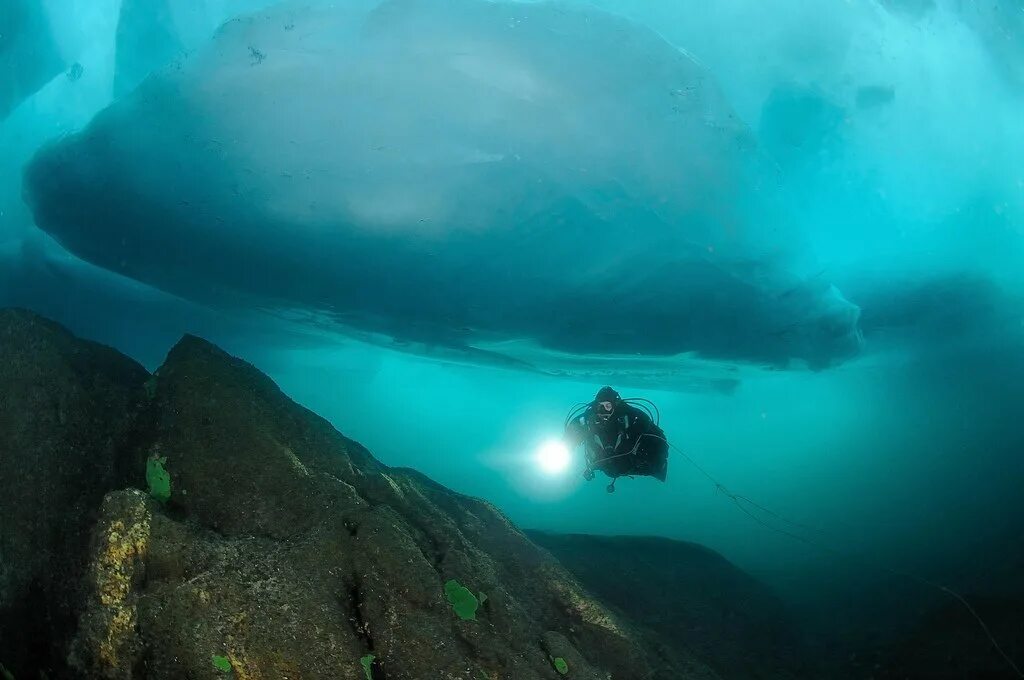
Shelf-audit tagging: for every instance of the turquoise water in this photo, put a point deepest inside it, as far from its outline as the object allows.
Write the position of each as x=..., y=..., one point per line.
x=797, y=227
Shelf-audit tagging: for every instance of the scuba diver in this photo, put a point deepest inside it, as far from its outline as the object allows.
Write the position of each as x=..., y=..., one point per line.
x=621, y=438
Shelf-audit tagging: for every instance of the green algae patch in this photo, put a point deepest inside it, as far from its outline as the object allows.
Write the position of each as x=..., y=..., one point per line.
x=222, y=663
x=158, y=478
x=560, y=665
x=367, y=663
x=463, y=601
x=5, y=674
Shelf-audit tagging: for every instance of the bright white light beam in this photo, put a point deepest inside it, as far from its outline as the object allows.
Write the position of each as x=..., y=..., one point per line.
x=553, y=457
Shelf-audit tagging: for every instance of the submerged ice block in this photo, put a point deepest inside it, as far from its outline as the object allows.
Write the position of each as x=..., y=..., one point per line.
x=29, y=57
x=450, y=171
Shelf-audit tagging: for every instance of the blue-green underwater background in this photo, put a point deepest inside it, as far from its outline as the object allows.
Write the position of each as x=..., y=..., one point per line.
x=895, y=130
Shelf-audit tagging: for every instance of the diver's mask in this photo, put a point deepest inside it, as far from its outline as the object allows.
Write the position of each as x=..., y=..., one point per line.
x=604, y=410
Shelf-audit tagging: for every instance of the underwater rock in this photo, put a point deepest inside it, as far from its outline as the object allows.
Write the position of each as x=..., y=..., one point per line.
x=68, y=411
x=286, y=550
x=689, y=597
x=451, y=172
x=948, y=643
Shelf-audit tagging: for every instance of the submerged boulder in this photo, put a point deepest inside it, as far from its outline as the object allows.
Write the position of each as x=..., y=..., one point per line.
x=68, y=414
x=948, y=643
x=285, y=550
x=689, y=597
x=268, y=545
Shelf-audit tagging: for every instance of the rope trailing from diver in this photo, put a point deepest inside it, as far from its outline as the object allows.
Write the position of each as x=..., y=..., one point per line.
x=739, y=500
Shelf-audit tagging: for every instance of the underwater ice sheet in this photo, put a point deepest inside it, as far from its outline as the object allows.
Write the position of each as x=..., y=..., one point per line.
x=29, y=58
x=447, y=170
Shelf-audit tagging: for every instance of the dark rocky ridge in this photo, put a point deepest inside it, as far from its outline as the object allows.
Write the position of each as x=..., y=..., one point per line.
x=948, y=644
x=68, y=414
x=285, y=547
x=300, y=553
x=689, y=597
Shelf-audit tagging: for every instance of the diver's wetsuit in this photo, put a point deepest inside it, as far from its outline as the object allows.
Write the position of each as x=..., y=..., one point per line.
x=615, y=446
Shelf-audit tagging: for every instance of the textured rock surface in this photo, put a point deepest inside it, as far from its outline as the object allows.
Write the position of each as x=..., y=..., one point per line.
x=66, y=422
x=289, y=550
x=690, y=597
